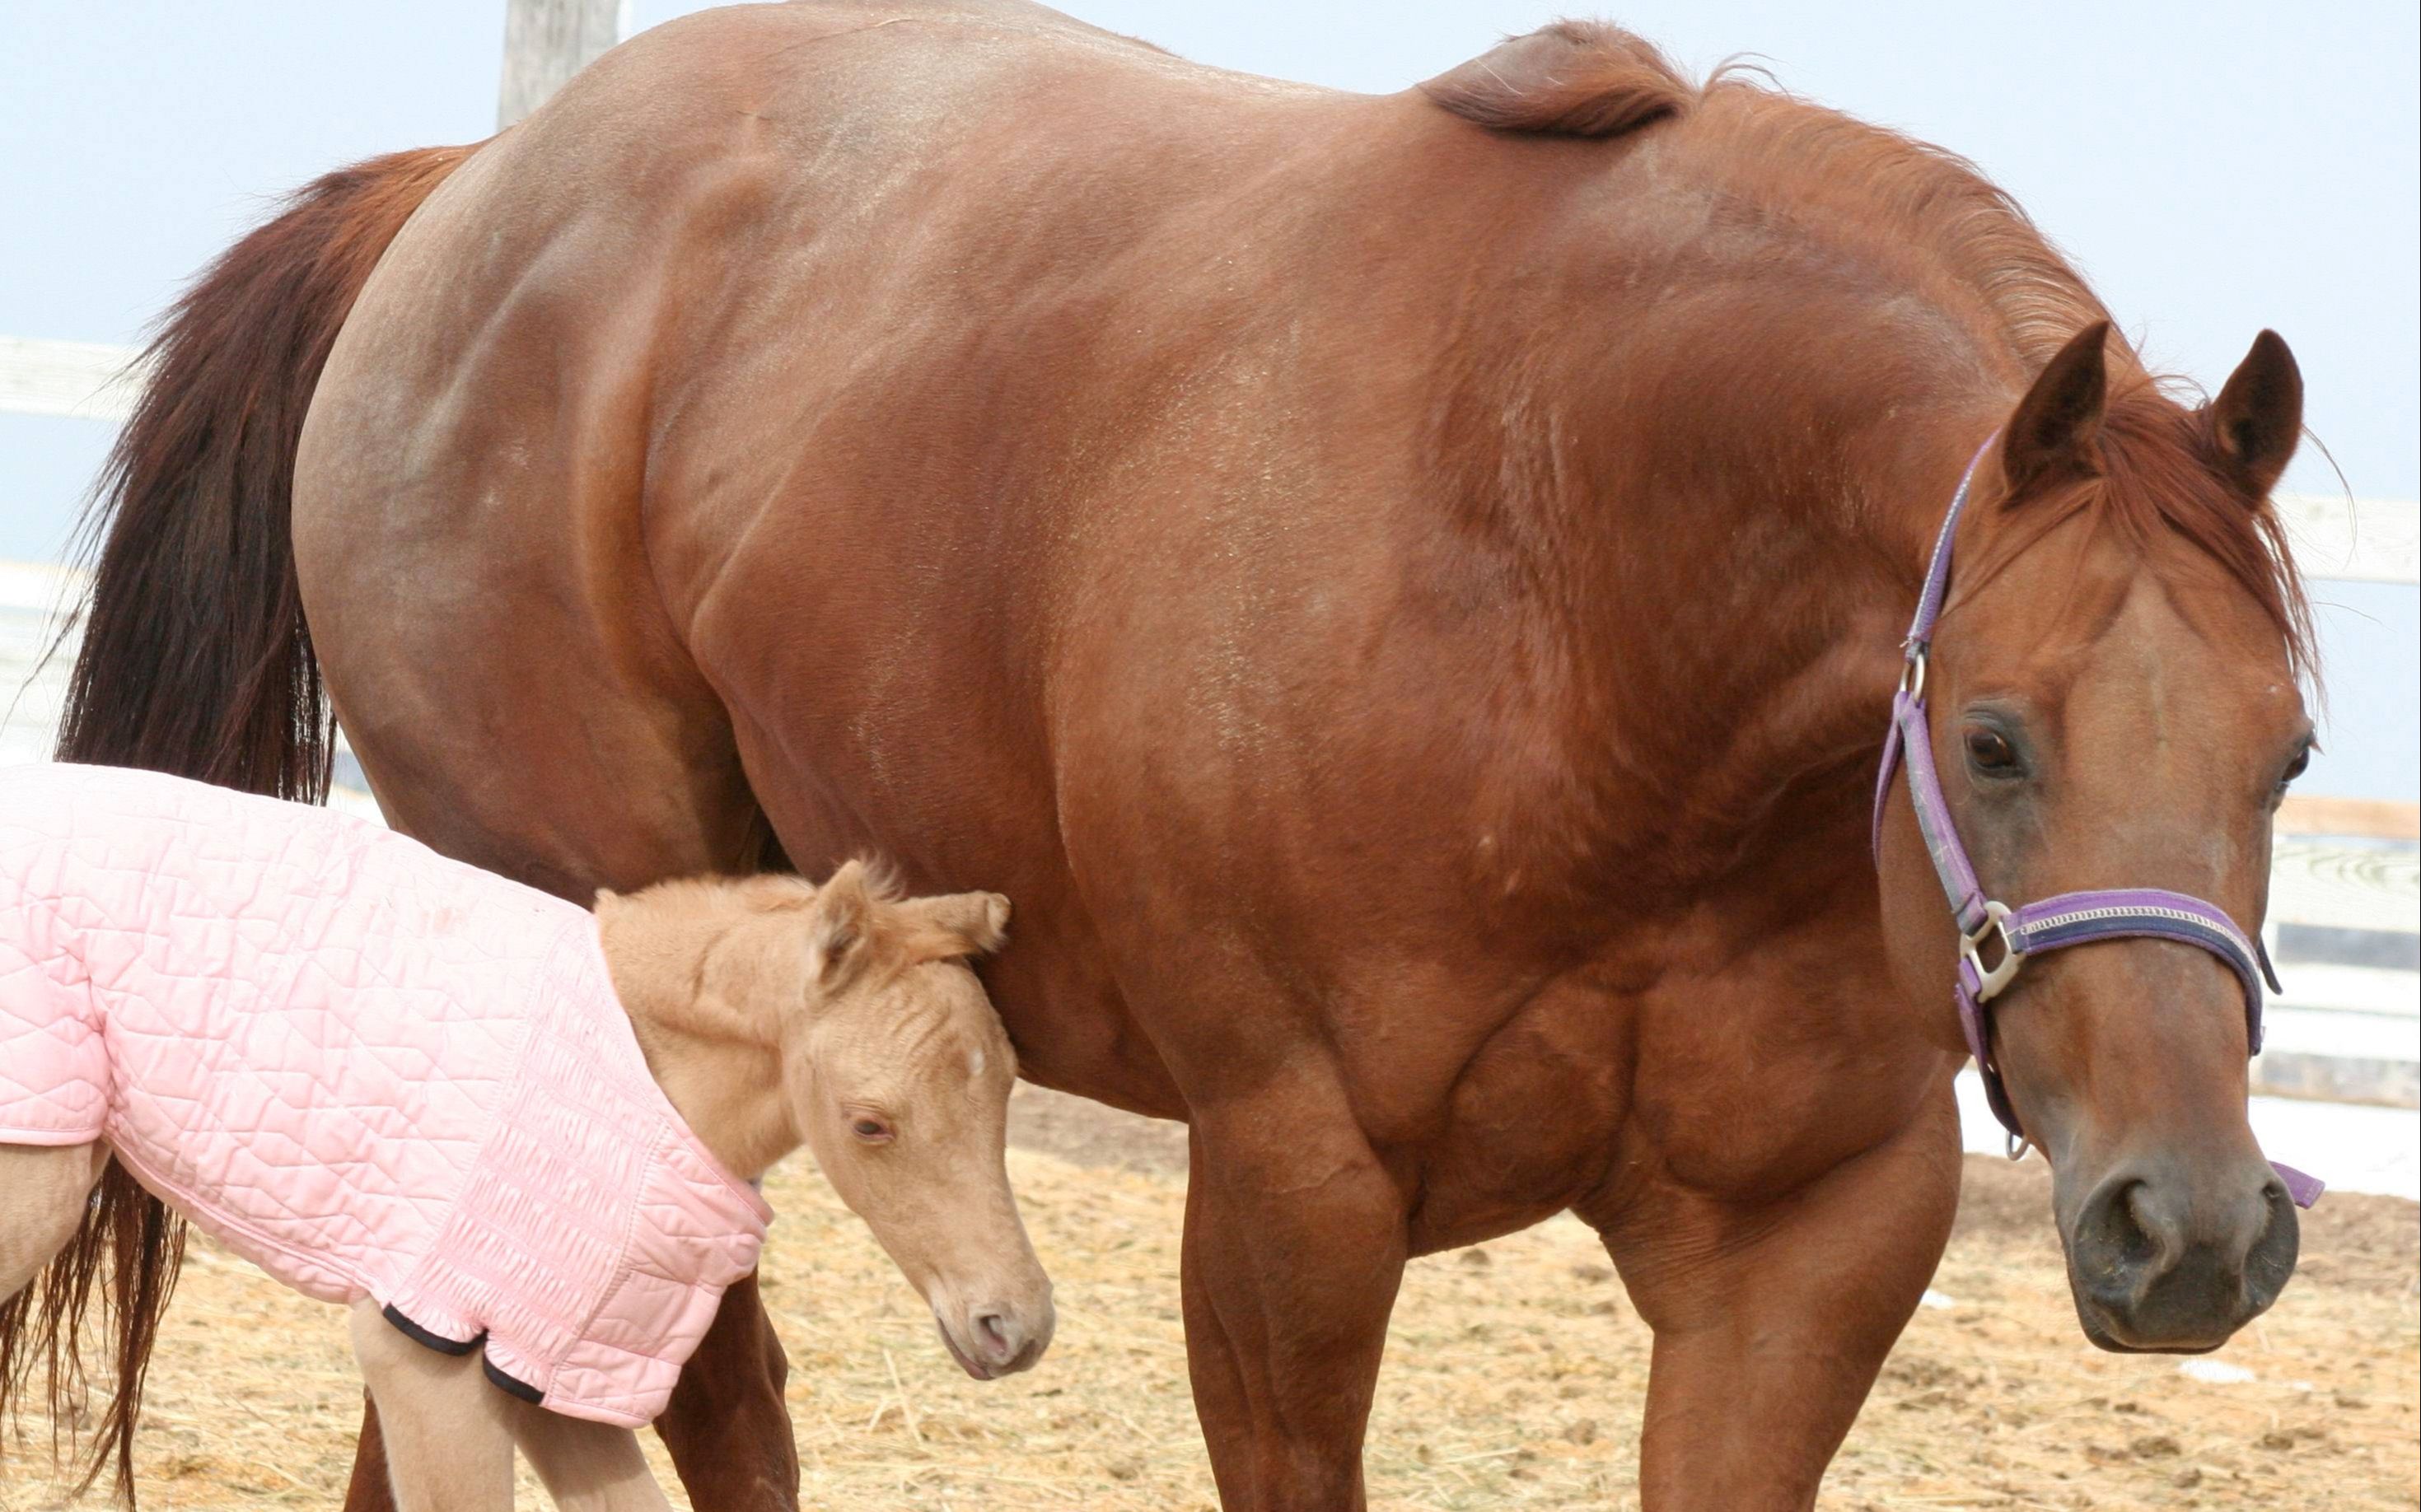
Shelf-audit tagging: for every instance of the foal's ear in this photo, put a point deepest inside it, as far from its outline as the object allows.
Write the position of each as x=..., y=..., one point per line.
x=837, y=924
x=973, y=924
x=2258, y=416
x=2049, y=437
x=607, y=902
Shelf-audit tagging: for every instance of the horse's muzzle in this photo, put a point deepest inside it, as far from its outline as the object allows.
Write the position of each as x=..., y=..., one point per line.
x=2159, y=1261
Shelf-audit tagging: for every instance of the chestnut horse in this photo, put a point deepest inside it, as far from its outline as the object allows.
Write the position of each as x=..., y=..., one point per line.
x=1405, y=593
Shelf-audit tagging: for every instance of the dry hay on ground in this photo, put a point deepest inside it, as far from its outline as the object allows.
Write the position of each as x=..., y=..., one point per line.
x=1513, y=1378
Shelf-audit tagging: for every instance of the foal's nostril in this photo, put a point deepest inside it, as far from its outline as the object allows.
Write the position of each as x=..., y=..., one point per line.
x=998, y=1340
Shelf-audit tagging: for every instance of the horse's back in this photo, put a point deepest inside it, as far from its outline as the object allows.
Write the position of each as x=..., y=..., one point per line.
x=735, y=217
x=731, y=281
x=685, y=356
x=813, y=407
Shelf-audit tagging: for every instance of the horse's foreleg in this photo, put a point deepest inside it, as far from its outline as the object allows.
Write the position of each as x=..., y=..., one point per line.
x=44, y=1190
x=1771, y=1320
x=726, y=1426
x=1294, y=1247
x=371, y=1488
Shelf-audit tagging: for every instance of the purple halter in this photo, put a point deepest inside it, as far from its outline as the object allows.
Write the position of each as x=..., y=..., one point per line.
x=2051, y=923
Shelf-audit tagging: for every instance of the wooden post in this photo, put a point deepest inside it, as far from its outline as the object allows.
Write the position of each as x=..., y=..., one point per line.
x=546, y=42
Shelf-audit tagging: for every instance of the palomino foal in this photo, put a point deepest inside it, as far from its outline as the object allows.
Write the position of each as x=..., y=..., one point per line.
x=775, y=1013
x=519, y=1141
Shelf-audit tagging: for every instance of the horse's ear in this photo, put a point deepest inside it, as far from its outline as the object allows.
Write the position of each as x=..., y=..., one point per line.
x=971, y=924
x=837, y=925
x=2258, y=416
x=2049, y=437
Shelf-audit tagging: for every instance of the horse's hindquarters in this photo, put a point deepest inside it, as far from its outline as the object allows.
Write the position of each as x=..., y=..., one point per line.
x=465, y=535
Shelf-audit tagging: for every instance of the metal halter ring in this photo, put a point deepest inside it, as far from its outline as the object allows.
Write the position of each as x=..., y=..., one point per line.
x=1988, y=983
x=1911, y=673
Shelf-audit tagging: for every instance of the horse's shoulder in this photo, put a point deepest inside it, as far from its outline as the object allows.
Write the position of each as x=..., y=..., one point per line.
x=1571, y=79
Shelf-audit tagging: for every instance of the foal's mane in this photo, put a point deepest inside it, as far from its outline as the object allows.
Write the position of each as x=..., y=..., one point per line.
x=1931, y=217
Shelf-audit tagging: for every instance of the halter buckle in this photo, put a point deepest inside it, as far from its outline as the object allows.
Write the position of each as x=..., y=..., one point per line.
x=1991, y=980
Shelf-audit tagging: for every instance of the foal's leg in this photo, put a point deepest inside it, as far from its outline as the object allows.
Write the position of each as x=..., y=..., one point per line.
x=1294, y=1247
x=726, y=1426
x=1771, y=1321
x=587, y=1467
x=43, y=1190
x=448, y=1446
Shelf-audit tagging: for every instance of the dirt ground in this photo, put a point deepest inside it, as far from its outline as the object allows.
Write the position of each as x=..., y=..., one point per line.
x=1513, y=1378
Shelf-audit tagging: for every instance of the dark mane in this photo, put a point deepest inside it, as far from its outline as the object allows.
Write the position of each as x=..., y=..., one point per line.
x=1966, y=243
x=1956, y=232
x=1931, y=219
x=1928, y=207
x=2159, y=491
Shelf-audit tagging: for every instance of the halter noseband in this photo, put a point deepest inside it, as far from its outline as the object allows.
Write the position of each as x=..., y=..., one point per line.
x=2048, y=923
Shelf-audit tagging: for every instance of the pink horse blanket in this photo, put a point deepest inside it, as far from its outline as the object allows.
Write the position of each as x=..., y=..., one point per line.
x=370, y=1070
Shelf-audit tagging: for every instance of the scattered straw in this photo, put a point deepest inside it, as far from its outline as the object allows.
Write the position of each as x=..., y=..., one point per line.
x=1515, y=1384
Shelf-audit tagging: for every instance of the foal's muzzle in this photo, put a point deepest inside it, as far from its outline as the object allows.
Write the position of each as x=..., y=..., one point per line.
x=2162, y=1260
x=997, y=1339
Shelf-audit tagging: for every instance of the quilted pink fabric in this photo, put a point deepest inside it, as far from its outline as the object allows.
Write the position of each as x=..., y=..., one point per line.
x=370, y=1070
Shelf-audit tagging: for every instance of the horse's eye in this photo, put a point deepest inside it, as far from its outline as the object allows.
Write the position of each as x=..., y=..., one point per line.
x=2295, y=768
x=872, y=1129
x=1988, y=752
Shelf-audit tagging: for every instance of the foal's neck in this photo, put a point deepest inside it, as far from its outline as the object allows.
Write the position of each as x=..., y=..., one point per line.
x=718, y=1061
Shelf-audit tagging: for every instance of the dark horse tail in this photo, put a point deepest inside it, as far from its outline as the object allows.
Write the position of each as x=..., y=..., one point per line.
x=195, y=660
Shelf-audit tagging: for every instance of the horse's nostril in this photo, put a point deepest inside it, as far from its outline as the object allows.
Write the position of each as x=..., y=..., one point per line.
x=2118, y=1228
x=2272, y=1258
x=2139, y=1225
x=2179, y=1261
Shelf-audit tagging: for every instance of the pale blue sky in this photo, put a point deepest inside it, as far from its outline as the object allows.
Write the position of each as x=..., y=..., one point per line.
x=2215, y=169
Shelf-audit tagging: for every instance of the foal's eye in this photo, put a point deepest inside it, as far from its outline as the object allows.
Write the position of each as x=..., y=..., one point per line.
x=1989, y=751
x=2295, y=768
x=872, y=1129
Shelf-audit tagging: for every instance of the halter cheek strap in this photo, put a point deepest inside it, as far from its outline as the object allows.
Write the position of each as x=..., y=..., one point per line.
x=2009, y=937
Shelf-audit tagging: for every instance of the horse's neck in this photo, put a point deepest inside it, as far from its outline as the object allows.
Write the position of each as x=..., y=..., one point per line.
x=1737, y=649
x=721, y=1070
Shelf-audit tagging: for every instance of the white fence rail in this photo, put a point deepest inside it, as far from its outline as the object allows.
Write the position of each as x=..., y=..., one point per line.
x=2357, y=541
x=79, y=379
x=2364, y=540
x=2345, y=891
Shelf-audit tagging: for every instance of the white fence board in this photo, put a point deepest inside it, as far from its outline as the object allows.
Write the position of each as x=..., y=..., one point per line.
x=2345, y=885
x=2358, y=540
x=2366, y=540
x=547, y=41
x=2341, y=1031
x=80, y=380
